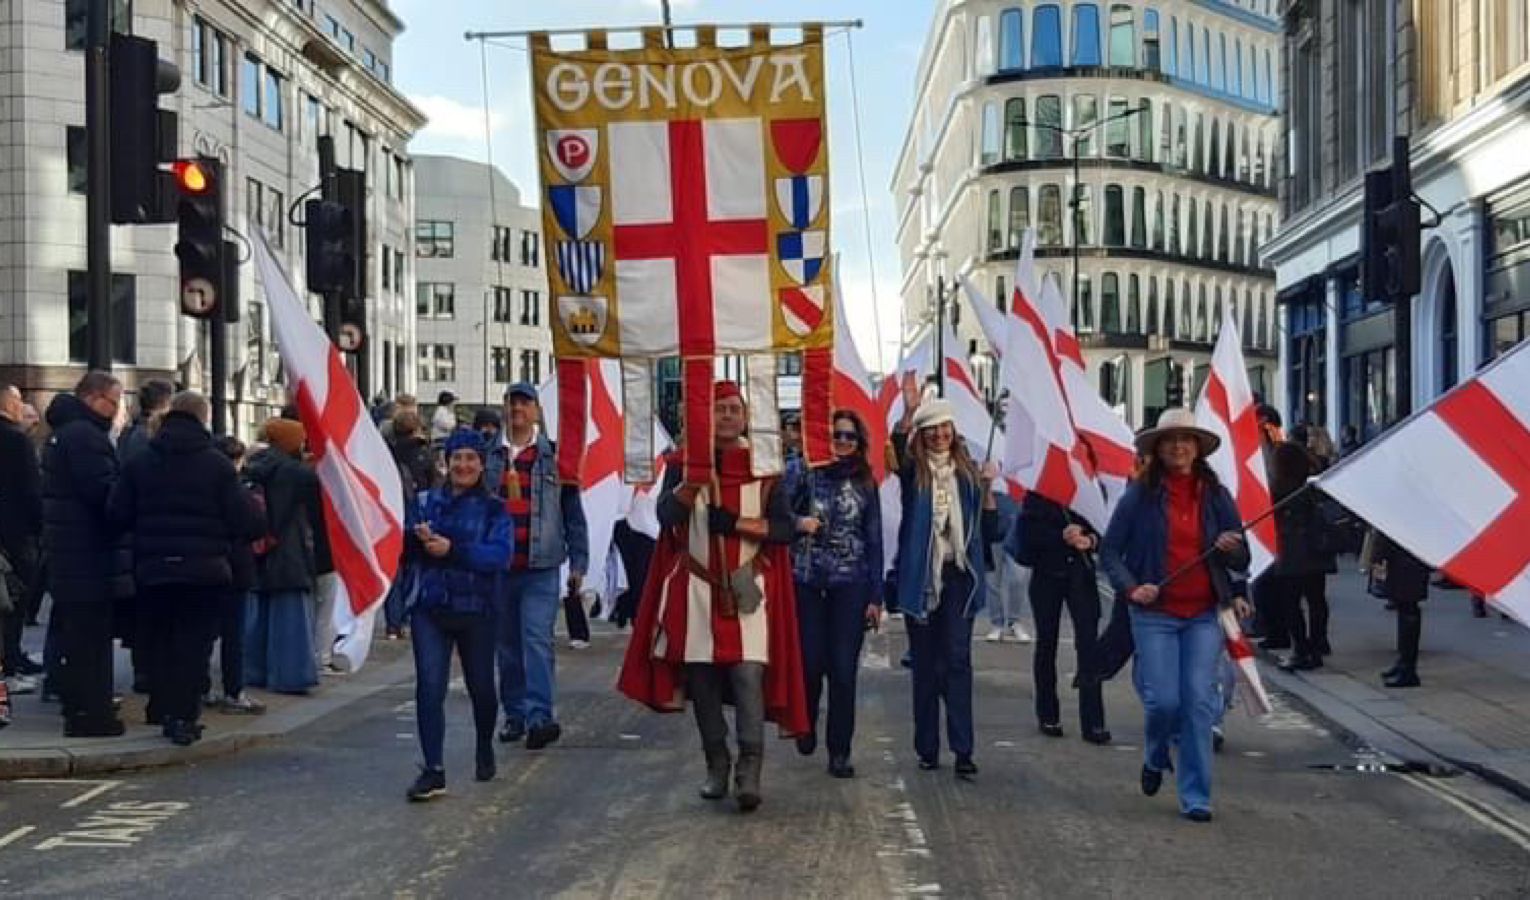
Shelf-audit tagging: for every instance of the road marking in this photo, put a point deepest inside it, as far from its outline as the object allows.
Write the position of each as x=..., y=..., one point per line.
x=403, y=735
x=1514, y=831
x=118, y=826
x=17, y=835
x=100, y=788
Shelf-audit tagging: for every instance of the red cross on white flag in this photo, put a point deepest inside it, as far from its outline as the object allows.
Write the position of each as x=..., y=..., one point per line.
x=1452, y=484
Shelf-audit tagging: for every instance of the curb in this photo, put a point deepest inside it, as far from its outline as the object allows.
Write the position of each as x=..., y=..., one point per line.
x=152, y=752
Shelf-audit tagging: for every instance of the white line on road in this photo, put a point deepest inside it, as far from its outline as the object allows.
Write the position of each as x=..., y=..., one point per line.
x=17, y=835
x=1513, y=831
x=100, y=788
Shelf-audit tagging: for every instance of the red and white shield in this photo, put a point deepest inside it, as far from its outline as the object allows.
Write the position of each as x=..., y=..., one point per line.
x=573, y=152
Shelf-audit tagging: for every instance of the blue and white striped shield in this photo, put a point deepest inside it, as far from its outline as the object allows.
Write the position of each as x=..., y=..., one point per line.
x=800, y=198
x=582, y=263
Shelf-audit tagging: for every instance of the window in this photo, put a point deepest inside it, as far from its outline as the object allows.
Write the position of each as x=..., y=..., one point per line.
x=989, y=152
x=400, y=172
x=77, y=158
x=531, y=308
x=249, y=85
x=1133, y=304
x=503, y=363
x=1171, y=49
x=995, y=222
x=313, y=123
x=1015, y=128
x=1450, y=351
x=982, y=57
x=503, y=301
x=1086, y=113
x=1237, y=240
x=1202, y=316
x=369, y=60
x=1145, y=130
x=1237, y=69
x=427, y=367
x=1118, y=131
x=398, y=270
x=1123, y=36
x=1158, y=223
x=1139, y=217
x=332, y=25
x=124, y=338
x=76, y=13
x=1083, y=306
x=1019, y=215
x=1110, y=303
x=1197, y=147
x=1046, y=37
x=1174, y=245
x=1049, y=216
x=1222, y=237
x=1191, y=229
x=435, y=239
x=1370, y=391
x=209, y=56
x=1248, y=317
x=1170, y=320
x=1011, y=40
x=499, y=244
x=1086, y=34
x=264, y=210
x=387, y=267
x=1049, y=130
x=435, y=300
x=531, y=366
x=1206, y=226
x=1152, y=305
x=1115, y=216
x=531, y=248
x=1221, y=68
x=789, y=364
x=348, y=41
x=1083, y=214
x=1150, y=50
x=1001, y=294
x=1214, y=159
x=446, y=362
x=1203, y=73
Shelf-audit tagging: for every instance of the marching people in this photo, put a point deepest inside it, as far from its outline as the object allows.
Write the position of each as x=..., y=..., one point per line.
x=79, y=468
x=461, y=536
x=1059, y=547
x=837, y=569
x=717, y=615
x=1403, y=579
x=949, y=520
x=21, y=522
x=1174, y=548
x=1305, y=560
x=181, y=500
x=549, y=530
x=279, y=653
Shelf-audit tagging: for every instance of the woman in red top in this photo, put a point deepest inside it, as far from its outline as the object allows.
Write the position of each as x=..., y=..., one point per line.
x=1175, y=549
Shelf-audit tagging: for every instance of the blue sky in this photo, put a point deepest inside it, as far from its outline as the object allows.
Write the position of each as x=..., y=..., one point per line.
x=441, y=72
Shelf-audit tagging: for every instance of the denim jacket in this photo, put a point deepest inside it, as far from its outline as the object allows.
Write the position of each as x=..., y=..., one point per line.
x=916, y=537
x=848, y=548
x=1137, y=540
x=558, y=530
x=467, y=578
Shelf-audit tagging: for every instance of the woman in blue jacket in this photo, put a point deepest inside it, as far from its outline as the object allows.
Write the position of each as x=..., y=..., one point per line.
x=837, y=566
x=462, y=539
x=949, y=521
x=1176, y=519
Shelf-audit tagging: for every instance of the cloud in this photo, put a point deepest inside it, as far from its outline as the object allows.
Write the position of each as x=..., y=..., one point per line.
x=451, y=119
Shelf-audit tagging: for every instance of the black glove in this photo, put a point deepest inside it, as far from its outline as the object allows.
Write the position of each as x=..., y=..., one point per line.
x=721, y=521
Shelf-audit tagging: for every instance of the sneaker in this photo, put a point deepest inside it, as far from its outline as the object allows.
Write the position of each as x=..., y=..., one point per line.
x=512, y=731
x=541, y=735
x=1218, y=738
x=395, y=634
x=577, y=644
x=20, y=685
x=330, y=669
x=430, y=785
x=26, y=665
x=241, y=705
x=1021, y=635
x=995, y=636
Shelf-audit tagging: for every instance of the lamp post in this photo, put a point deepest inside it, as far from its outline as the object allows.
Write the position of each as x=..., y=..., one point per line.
x=938, y=266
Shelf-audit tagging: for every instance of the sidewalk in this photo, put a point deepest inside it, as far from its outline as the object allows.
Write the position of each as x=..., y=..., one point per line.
x=1473, y=710
x=34, y=746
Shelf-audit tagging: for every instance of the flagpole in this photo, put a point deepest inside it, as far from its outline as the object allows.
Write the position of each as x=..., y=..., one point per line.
x=1244, y=528
x=629, y=29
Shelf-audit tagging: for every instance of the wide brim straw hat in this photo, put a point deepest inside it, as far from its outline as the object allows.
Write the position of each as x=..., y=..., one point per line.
x=1177, y=420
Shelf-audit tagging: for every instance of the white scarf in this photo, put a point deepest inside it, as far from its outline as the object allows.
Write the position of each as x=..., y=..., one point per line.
x=947, y=532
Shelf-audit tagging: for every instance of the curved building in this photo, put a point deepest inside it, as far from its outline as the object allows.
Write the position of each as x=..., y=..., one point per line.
x=1162, y=116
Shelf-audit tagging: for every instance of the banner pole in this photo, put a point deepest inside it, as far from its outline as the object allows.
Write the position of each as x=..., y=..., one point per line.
x=631, y=29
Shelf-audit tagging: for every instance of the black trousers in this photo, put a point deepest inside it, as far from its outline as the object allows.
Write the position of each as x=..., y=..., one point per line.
x=179, y=623
x=1410, y=627
x=23, y=561
x=1274, y=624
x=85, y=659
x=1050, y=592
x=574, y=616
x=1309, y=629
x=232, y=613
x=1115, y=646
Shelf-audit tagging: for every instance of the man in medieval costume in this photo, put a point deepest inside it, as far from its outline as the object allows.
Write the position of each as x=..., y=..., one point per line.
x=717, y=620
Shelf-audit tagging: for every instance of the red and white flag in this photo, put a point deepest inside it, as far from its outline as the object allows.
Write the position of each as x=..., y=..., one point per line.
x=1241, y=652
x=359, y=482
x=1227, y=409
x=1452, y=484
x=851, y=389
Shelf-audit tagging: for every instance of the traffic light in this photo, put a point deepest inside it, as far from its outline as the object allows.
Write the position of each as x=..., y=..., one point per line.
x=142, y=135
x=1390, y=263
x=199, y=245
x=336, y=238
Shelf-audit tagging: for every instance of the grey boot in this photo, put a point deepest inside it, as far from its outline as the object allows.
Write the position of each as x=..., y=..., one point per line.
x=746, y=785
x=704, y=684
x=749, y=721
x=719, y=767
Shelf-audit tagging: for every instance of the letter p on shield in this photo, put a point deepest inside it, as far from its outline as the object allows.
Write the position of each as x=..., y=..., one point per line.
x=573, y=152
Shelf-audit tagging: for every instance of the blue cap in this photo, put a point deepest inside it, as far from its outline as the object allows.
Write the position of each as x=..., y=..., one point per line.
x=464, y=439
x=523, y=389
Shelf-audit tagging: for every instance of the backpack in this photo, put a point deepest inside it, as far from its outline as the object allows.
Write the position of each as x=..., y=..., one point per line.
x=263, y=545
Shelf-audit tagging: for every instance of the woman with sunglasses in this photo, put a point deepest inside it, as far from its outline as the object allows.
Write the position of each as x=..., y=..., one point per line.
x=837, y=566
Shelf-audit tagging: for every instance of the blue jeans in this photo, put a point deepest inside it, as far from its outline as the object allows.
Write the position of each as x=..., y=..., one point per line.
x=528, y=608
x=278, y=642
x=832, y=624
x=1176, y=678
x=942, y=655
x=1227, y=685
x=433, y=635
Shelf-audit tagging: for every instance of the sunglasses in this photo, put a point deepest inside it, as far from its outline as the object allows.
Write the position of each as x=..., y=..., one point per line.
x=848, y=437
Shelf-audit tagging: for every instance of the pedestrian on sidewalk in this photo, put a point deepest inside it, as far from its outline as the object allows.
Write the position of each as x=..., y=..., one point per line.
x=1403, y=579
x=278, y=650
x=1059, y=545
x=1176, y=518
x=1306, y=559
x=837, y=570
x=462, y=537
x=722, y=624
x=181, y=500
x=235, y=605
x=549, y=531
x=21, y=523
x=79, y=468
x=949, y=520
x=1007, y=582
x=130, y=619
x=417, y=474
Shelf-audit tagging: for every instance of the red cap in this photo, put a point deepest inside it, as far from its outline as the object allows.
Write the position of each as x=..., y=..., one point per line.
x=725, y=390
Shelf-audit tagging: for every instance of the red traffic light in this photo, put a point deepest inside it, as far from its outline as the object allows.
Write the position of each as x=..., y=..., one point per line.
x=191, y=177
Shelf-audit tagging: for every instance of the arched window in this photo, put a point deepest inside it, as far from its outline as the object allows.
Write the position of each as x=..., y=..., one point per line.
x=1237, y=240
x=1084, y=216
x=1216, y=314
x=990, y=147
x=1171, y=48
x=1248, y=317
x=1191, y=228
x=1123, y=36
x=1049, y=230
x=1174, y=244
x=1046, y=37
x=1166, y=143
x=982, y=56
x=1222, y=69
x=1083, y=308
x=1139, y=218
x=1263, y=325
x=1110, y=303
x=1243, y=153
x=1011, y=41
x=1048, y=139
x=1223, y=237
x=1187, y=59
x=1449, y=345
x=1016, y=145
x=995, y=222
x=1206, y=225
x=1019, y=215
x=1214, y=161
x=1151, y=55
x=1197, y=144
x=1133, y=304
x=1204, y=71
x=1152, y=307
x=1118, y=133
x=1202, y=315
x=1086, y=34
x=1086, y=112
x=1237, y=71
x=1181, y=140
x=1269, y=78
x=1170, y=313
x=1115, y=216
x=1229, y=151
x=1158, y=223
x=1250, y=76
x=1186, y=310
x=1000, y=293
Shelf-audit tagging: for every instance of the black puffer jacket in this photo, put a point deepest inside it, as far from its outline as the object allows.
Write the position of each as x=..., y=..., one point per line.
x=185, y=507
x=1304, y=538
x=79, y=468
x=292, y=508
x=20, y=490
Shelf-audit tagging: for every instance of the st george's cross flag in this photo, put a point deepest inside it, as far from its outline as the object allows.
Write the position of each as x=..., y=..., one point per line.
x=1226, y=408
x=362, y=495
x=1452, y=484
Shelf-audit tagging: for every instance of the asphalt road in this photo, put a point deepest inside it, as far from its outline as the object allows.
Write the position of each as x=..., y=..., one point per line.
x=611, y=811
